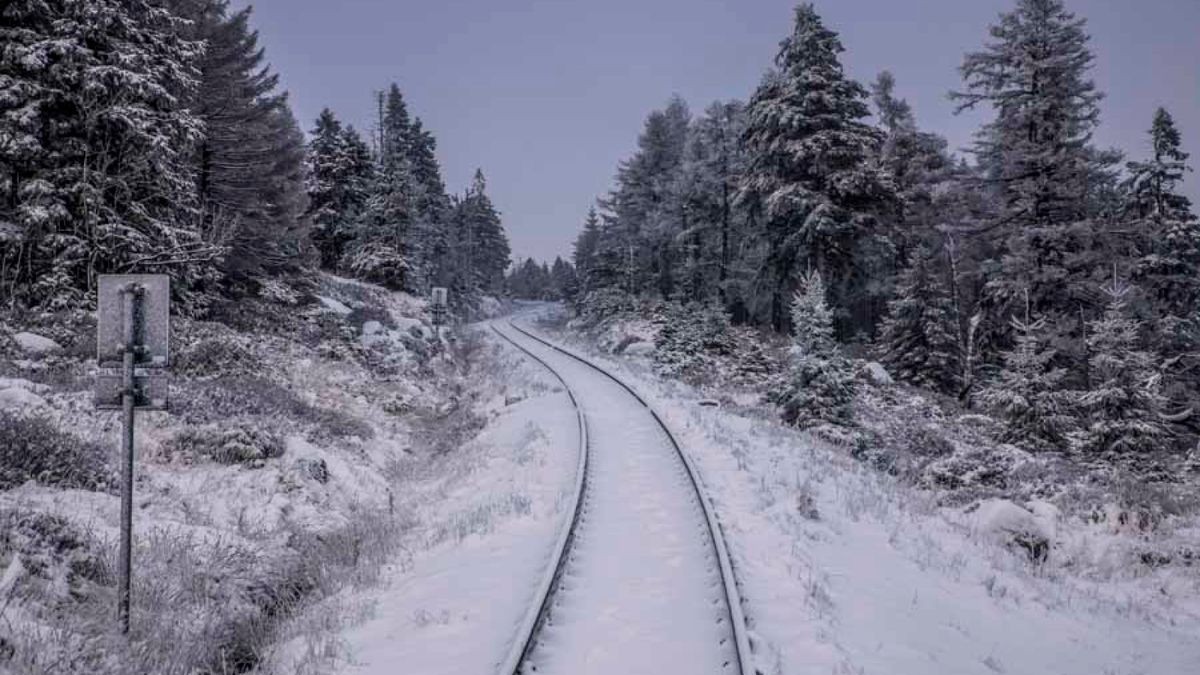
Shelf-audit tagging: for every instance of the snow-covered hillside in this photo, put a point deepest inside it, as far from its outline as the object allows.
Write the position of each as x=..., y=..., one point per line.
x=272, y=482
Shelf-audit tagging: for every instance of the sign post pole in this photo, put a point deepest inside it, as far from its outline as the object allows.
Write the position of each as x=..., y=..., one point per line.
x=131, y=295
x=133, y=354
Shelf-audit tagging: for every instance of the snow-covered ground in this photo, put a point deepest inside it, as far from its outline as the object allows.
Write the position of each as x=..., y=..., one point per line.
x=485, y=518
x=846, y=570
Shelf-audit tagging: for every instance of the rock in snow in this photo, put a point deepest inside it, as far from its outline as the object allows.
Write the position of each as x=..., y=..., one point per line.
x=334, y=306
x=32, y=343
x=372, y=327
x=876, y=374
x=640, y=348
x=15, y=398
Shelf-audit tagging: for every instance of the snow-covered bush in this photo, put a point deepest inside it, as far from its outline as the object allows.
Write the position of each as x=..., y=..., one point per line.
x=32, y=448
x=820, y=387
x=1125, y=402
x=226, y=444
x=1028, y=392
x=689, y=337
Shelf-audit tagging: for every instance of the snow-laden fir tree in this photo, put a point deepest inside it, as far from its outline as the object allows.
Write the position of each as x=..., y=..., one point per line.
x=1040, y=170
x=1028, y=391
x=920, y=168
x=93, y=136
x=708, y=181
x=811, y=171
x=919, y=337
x=249, y=165
x=646, y=209
x=562, y=276
x=430, y=238
x=1169, y=267
x=820, y=384
x=339, y=180
x=377, y=251
x=1125, y=403
x=480, y=242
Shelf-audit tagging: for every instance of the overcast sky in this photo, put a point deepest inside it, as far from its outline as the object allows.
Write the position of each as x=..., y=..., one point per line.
x=548, y=95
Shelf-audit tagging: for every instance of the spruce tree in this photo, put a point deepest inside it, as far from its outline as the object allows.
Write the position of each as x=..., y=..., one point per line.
x=429, y=239
x=811, y=171
x=484, y=238
x=249, y=164
x=93, y=135
x=709, y=177
x=1169, y=233
x=1125, y=403
x=1040, y=169
x=1028, y=391
x=378, y=250
x=918, y=340
x=339, y=176
x=820, y=386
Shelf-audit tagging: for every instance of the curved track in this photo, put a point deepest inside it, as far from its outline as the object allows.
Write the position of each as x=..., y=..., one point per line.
x=641, y=581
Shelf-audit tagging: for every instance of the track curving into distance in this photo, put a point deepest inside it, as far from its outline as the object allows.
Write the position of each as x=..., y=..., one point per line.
x=642, y=582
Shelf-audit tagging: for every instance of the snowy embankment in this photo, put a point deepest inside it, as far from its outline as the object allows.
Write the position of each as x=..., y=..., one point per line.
x=483, y=522
x=845, y=569
x=296, y=415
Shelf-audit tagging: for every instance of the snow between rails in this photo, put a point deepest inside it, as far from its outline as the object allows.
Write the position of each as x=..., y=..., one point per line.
x=716, y=532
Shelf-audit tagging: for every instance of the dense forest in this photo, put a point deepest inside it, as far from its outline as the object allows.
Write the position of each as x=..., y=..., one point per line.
x=1042, y=278
x=152, y=136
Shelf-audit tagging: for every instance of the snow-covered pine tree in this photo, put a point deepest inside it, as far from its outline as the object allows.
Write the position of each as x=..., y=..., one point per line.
x=562, y=278
x=482, y=252
x=820, y=386
x=430, y=237
x=377, y=251
x=708, y=180
x=93, y=130
x=1169, y=267
x=339, y=176
x=919, y=337
x=1039, y=166
x=811, y=171
x=249, y=165
x=646, y=210
x=1125, y=403
x=919, y=166
x=1028, y=391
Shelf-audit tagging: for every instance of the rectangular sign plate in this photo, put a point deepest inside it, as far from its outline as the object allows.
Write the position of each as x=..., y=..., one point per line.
x=152, y=322
x=149, y=387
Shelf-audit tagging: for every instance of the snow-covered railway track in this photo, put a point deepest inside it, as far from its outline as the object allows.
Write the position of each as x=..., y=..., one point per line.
x=642, y=582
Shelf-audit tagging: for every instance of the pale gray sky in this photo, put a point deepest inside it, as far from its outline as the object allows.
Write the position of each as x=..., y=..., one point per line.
x=548, y=95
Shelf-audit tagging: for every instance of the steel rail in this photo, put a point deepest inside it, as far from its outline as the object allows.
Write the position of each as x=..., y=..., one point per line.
x=733, y=602
x=526, y=637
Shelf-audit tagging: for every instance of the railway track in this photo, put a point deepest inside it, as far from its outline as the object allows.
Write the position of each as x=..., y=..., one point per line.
x=640, y=579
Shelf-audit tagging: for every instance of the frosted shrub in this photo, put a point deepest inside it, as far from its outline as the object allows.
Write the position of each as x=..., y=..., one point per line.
x=32, y=448
x=820, y=387
x=690, y=336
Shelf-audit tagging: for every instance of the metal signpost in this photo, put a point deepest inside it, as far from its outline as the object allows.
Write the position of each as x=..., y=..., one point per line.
x=440, y=307
x=133, y=350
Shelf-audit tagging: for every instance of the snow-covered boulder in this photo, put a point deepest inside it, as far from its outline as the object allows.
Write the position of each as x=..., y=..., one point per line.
x=1004, y=522
x=335, y=306
x=32, y=343
x=14, y=398
x=876, y=374
x=640, y=348
x=16, y=394
x=372, y=328
x=412, y=326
